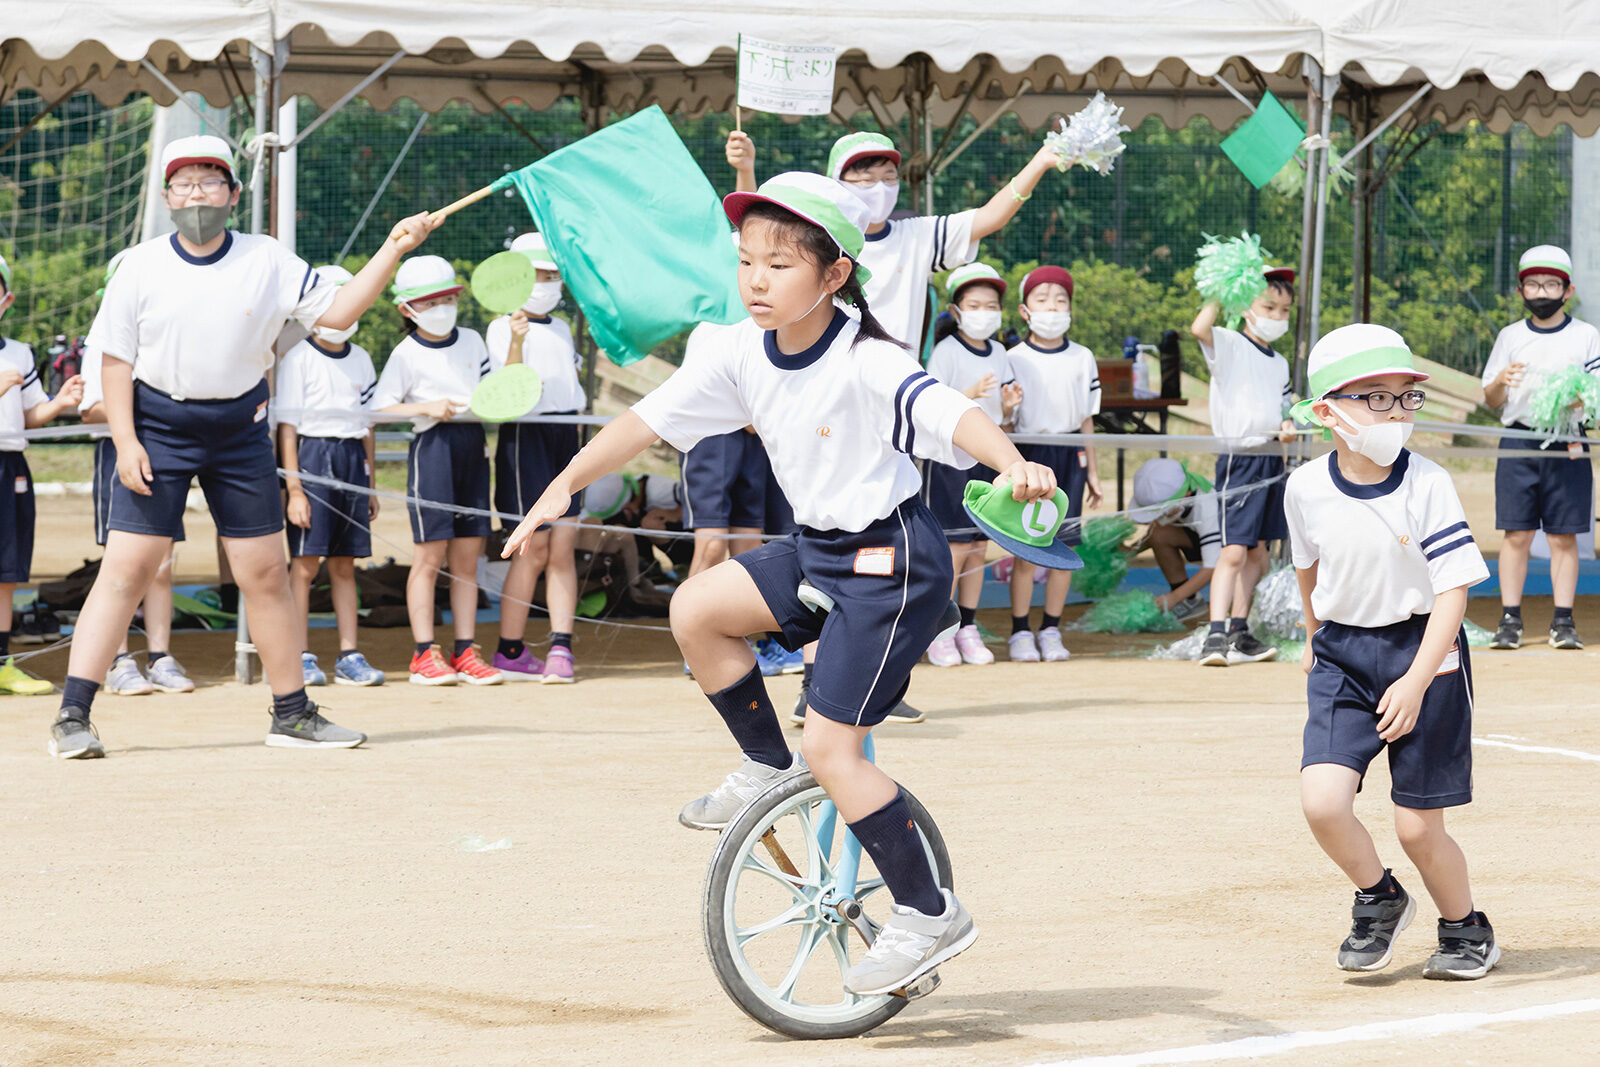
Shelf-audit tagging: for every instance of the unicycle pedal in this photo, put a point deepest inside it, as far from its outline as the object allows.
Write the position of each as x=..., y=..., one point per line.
x=920, y=988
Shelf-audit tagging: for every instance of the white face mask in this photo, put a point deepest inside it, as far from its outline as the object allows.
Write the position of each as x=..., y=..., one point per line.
x=437, y=320
x=1269, y=330
x=978, y=324
x=1049, y=324
x=880, y=198
x=334, y=337
x=546, y=295
x=1380, y=442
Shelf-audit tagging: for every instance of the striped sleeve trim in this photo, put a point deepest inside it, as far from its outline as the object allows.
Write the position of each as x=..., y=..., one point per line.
x=32, y=378
x=1435, y=553
x=1593, y=365
x=938, y=243
x=309, y=282
x=1210, y=539
x=1442, y=534
x=904, y=435
x=1094, y=383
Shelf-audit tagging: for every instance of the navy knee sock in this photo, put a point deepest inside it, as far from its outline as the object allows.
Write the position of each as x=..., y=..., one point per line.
x=1515, y=611
x=1237, y=625
x=510, y=649
x=969, y=616
x=462, y=644
x=289, y=707
x=1050, y=620
x=890, y=836
x=5, y=643
x=1019, y=624
x=560, y=640
x=77, y=696
x=748, y=711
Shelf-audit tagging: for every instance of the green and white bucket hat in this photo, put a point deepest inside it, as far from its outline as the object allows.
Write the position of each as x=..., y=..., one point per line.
x=421, y=277
x=968, y=273
x=532, y=245
x=1349, y=354
x=818, y=200
x=853, y=146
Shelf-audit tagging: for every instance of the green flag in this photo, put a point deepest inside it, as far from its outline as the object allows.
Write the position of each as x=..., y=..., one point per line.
x=1265, y=141
x=638, y=233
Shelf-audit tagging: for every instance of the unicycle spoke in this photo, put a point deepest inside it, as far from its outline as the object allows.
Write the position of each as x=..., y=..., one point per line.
x=808, y=944
x=818, y=869
x=799, y=915
x=788, y=882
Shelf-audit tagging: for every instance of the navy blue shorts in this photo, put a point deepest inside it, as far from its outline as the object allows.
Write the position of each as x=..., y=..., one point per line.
x=1431, y=767
x=527, y=458
x=339, y=525
x=890, y=584
x=105, y=476
x=942, y=489
x=448, y=463
x=725, y=482
x=226, y=444
x=16, y=518
x=1251, y=518
x=1553, y=495
x=1071, y=475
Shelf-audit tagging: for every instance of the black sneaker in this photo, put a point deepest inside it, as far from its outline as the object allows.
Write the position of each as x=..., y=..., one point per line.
x=1374, y=924
x=798, y=716
x=1214, y=653
x=49, y=625
x=1564, y=634
x=72, y=737
x=1465, y=952
x=904, y=713
x=1509, y=633
x=1244, y=648
x=311, y=730
x=28, y=628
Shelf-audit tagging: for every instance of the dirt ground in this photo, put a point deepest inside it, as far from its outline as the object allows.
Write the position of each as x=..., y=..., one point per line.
x=1126, y=834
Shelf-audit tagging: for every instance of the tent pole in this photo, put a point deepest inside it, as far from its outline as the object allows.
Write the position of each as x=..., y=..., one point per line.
x=1360, y=211
x=593, y=96
x=1307, y=214
x=1330, y=85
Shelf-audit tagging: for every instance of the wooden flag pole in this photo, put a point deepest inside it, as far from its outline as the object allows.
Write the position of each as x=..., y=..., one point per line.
x=449, y=209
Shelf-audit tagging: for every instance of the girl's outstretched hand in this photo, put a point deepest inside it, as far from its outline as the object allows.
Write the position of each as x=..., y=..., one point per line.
x=551, y=505
x=1029, y=481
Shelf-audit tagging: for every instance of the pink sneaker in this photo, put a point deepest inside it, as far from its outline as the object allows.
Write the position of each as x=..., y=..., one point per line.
x=1022, y=648
x=943, y=653
x=1050, y=647
x=970, y=644
x=525, y=668
x=558, y=666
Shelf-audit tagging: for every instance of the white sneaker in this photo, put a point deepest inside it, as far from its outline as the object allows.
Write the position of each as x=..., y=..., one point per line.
x=1022, y=648
x=910, y=945
x=1050, y=646
x=943, y=652
x=717, y=808
x=969, y=642
x=125, y=679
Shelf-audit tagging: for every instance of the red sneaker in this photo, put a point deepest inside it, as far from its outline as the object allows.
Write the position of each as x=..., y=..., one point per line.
x=430, y=668
x=471, y=669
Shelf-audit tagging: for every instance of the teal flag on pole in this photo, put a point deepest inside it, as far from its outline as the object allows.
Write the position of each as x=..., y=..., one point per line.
x=638, y=233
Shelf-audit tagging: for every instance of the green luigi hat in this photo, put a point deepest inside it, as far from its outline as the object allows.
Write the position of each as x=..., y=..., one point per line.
x=1026, y=529
x=818, y=200
x=1349, y=354
x=854, y=146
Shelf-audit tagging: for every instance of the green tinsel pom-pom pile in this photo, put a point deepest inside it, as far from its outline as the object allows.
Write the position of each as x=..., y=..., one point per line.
x=1128, y=613
x=1553, y=412
x=1104, y=562
x=1231, y=272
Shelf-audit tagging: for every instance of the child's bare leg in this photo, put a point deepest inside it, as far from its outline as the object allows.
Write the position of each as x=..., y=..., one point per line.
x=6, y=591
x=259, y=567
x=346, y=600
x=1563, y=568
x=969, y=573
x=1255, y=564
x=1057, y=584
x=1166, y=545
x=1328, y=797
x=710, y=549
x=427, y=557
x=158, y=610
x=302, y=572
x=1438, y=858
x=1021, y=588
x=1514, y=548
x=1225, y=580
x=130, y=562
x=463, y=557
x=561, y=578
x=516, y=595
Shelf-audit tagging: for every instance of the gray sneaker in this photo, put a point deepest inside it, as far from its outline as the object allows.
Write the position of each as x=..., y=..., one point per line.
x=311, y=730
x=1374, y=924
x=1465, y=952
x=910, y=945
x=1190, y=608
x=168, y=675
x=1214, y=653
x=74, y=738
x=125, y=679
x=717, y=808
x=1244, y=648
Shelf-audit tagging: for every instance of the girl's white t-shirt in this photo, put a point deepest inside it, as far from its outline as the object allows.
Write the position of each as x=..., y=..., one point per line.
x=960, y=366
x=420, y=371
x=322, y=395
x=549, y=350
x=1060, y=387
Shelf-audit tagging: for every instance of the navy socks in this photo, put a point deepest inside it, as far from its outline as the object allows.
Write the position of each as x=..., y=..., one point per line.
x=748, y=711
x=510, y=649
x=77, y=696
x=969, y=616
x=289, y=707
x=890, y=836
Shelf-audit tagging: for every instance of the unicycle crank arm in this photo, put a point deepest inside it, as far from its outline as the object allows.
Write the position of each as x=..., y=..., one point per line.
x=851, y=912
x=779, y=856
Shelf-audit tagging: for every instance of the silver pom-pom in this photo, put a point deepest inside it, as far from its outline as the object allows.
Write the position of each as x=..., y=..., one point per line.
x=1092, y=138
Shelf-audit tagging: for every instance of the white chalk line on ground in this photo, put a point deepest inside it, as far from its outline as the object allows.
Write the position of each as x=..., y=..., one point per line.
x=1543, y=750
x=1277, y=1044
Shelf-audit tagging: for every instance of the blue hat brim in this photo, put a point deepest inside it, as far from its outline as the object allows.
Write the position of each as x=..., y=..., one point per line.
x=1057, y=556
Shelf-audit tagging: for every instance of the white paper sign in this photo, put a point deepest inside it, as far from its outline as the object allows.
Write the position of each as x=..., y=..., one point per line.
x=786, y=79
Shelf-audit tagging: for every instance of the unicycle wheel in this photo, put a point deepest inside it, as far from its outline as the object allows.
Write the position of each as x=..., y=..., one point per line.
x=775, y=913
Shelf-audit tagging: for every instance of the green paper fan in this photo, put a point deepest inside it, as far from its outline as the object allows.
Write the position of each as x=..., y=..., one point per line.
x=509, y=393
x=503, y=282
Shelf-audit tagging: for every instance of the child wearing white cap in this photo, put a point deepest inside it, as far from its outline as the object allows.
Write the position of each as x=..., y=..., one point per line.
x=1384, y=559
x=430, y=377
x=1181, y=531
x=188, y=326
x=528, y=453
x=1540, y=493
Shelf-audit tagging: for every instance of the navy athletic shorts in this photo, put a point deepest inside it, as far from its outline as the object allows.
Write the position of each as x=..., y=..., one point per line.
x=890, y=584
x=449, y=464
x=527, y=458
x=942, y=489
x=105, y=476
x=1431, y=767
x=1553, y=495
x=339, y=525
x=1071, y=475
x=226, y=444
x=16, y=518
x=725, y=482
x=1250, y=518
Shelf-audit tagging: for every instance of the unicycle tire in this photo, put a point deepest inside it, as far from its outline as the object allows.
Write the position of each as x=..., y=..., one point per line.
x=851, y=1016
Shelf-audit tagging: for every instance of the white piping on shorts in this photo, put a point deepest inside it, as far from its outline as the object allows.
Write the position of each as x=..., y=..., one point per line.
x=905, y=594
x=411, y=491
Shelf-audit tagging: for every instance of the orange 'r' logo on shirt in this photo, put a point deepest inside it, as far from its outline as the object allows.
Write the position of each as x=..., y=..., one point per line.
x=1405, y=539
x=824, y=431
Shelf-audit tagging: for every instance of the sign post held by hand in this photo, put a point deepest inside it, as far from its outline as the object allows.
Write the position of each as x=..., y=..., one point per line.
x=786, y=79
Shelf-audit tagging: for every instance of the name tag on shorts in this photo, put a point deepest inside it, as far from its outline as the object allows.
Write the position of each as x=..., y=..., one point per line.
x=878, y=561
x=261, y=412
x=1452, y=661
x=1575, y=450
x=22, y=487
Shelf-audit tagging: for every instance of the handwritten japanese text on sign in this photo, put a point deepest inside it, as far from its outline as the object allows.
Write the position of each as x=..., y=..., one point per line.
x=786, y=79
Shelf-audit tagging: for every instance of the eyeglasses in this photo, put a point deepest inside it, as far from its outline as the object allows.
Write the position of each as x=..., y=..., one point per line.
x=1382, y=400
x=1551, y=287
x=209, y=186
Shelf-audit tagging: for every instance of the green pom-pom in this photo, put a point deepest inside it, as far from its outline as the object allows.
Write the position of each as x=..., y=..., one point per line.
x=1565, y=402
x=1104, y=562
x=1231, y=272
x=1128, y=613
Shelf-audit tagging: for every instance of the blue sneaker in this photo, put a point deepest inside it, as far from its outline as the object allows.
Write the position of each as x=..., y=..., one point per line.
x=769, y=666
x=788, y=662
x=355, y=670
x=310, y=672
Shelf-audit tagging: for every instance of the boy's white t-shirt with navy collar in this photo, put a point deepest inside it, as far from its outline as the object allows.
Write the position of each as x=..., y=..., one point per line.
x=1545, y=351
x=548, y=349
x=203, y=328
x=420, y=371
x=840, y=423
x=1383, y=552
x=1060, y=386
x=959, y=365
x=902, y=256
x=19, y=399
x=325, y=395
x=1249, y=387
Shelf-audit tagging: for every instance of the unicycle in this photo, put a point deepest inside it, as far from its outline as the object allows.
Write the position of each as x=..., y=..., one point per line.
x=787, y=909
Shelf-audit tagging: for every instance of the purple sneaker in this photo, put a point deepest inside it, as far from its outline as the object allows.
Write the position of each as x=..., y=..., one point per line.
x=525, y=668
x=558, y=666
